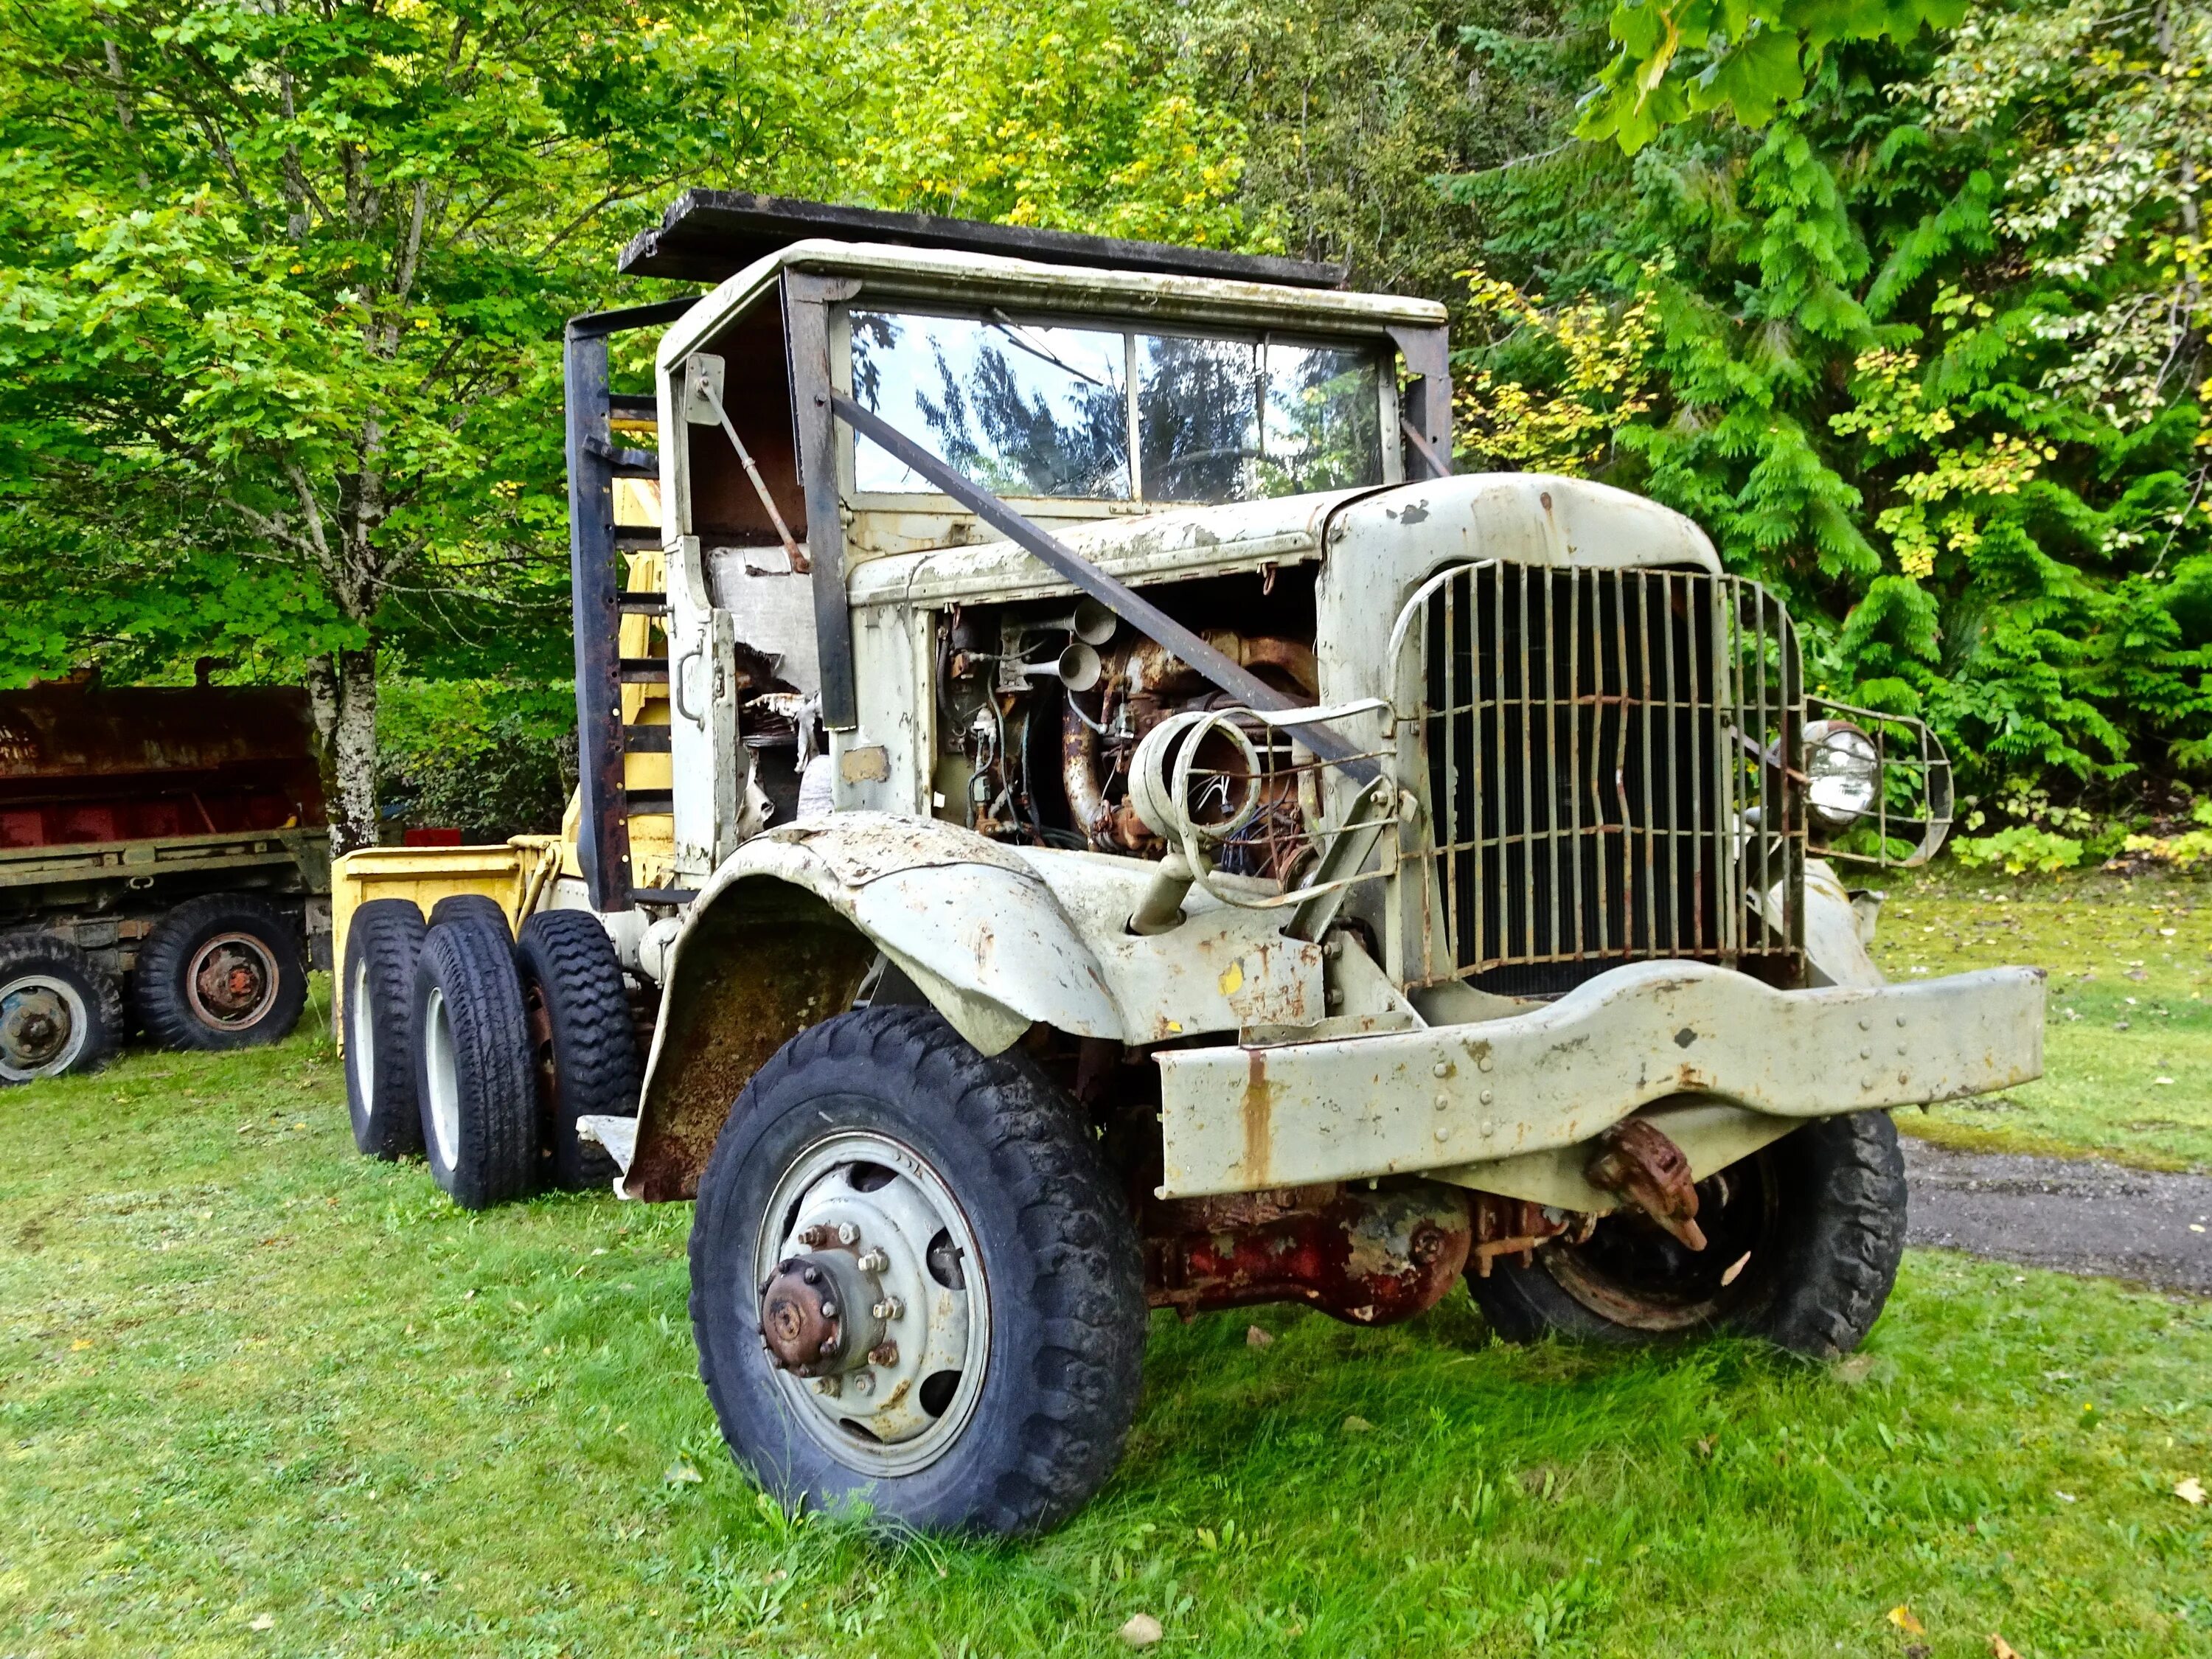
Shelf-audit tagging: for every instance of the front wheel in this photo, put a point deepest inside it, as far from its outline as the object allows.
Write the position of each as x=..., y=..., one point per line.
x=1803, y=1242
x=915, y=1286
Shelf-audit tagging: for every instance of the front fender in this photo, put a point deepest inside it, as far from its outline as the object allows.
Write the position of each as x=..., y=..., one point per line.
x=782, y=937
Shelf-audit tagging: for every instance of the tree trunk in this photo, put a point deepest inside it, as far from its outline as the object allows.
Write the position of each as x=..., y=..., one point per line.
x=343, y=689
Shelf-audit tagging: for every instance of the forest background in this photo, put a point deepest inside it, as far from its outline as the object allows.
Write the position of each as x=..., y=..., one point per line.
x=1903, y=301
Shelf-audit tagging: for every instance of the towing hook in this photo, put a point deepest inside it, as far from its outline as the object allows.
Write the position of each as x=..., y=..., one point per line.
x=1636, y=1160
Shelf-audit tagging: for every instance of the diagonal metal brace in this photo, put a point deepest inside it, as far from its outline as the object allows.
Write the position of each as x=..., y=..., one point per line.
x=1116, y=596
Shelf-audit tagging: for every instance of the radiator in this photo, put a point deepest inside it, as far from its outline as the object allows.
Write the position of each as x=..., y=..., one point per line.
x=1610, y=763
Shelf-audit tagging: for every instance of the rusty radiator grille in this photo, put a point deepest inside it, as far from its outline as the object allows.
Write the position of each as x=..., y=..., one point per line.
x=1606, y=756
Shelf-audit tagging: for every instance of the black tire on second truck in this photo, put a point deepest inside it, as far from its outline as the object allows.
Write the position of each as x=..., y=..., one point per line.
x=583, y=1045
x=59, y=1014
x=1803, y=1242
x=471, y=1060
x=878, y=1156
x=221, y=971
x=377, y=981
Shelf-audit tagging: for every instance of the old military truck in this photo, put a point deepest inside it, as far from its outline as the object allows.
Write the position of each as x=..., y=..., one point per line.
x=1144, y=834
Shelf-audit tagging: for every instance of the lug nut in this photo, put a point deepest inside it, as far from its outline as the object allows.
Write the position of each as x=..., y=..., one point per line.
x=863, y=1382
x=815, y=1236
x=828, y=1309
x=848, y=1233
x=890, y=1308
x=812, y=1275
x=883, y=1353
x=829, y=1385
x=873, y=1262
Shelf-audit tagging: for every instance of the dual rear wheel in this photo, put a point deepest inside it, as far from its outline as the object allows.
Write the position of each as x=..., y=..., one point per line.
x=480, y=1049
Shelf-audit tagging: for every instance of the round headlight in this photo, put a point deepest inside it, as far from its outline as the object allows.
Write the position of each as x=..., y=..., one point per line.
x=1843, y=771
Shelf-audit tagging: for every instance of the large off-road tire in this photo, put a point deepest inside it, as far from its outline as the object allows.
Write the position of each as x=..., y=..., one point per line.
x=472, y=1065
x=1812, y=1226
x=583, y=1048
x=59, y=1014
x=383, y=940
x=221, y=971
x=482, y=906
x=1014, y=1363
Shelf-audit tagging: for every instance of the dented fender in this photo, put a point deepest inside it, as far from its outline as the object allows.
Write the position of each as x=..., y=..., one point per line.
x=967, y=920
x=783, y=935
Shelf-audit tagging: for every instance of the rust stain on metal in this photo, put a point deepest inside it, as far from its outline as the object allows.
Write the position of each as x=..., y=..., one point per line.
x=1636, y=1159
x=763, y=964
x=1258, y=1116
x=1514, y=1226
x=81, y=762
x=1367, y=1257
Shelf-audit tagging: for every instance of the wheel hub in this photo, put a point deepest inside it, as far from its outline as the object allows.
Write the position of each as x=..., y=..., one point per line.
x=233, y=981
x=35, y=1027
x=866, y=1307
x=807, y=1310
x=42, y=1025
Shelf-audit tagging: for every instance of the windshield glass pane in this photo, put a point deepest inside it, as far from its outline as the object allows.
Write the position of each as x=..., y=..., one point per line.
x=1324, y=420
x=1236, y=421
x=1198, y=427
x=1021, y=410
x=1027, y=408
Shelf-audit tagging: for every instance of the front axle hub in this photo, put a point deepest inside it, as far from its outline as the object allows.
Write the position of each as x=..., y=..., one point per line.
x=802, y=1318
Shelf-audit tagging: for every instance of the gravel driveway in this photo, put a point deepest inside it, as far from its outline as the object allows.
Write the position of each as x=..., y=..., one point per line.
x=2080, y=1218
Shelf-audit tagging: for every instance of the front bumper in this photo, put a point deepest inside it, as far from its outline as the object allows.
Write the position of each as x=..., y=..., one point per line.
x=1240, y=1119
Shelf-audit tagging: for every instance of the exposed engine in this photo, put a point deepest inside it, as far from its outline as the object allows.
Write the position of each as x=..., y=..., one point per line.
x=1042, y=707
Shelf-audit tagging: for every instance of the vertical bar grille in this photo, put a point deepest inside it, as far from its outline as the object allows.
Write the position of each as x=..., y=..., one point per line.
x=1607, y=756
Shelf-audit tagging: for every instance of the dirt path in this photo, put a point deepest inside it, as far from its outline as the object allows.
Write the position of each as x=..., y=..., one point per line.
x=2081, y=1218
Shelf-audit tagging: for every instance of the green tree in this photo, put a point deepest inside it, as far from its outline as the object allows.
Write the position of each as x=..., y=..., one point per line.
x=1847, y=346
x=276, y=370
x=1745, y=59
x=282, y=285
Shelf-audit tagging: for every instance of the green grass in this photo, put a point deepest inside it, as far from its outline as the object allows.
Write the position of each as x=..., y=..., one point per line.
x=246, y=1376
x=2130, y=964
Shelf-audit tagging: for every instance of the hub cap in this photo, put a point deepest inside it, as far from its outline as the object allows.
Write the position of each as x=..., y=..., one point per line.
x=42, y=1027
x=872, y=1310
x=232, y=982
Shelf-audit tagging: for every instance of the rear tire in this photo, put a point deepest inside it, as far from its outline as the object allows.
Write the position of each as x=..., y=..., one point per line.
x=383, y=940
x=1013, y=1357
x=219, y=972
x=583, y=1048
x=59, y=1014
x=482, y=906
x=472, y=1065
x=1814, y=1225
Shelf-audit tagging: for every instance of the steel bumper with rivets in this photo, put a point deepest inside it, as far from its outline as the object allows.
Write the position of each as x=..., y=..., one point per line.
x=1442, y=1097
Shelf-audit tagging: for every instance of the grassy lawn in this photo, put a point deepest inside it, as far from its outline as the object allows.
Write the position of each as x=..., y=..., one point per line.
x=258, y=1395
x=2129, y=1045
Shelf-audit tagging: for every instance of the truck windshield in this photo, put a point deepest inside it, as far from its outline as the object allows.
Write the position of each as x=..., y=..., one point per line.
x=1035, y=409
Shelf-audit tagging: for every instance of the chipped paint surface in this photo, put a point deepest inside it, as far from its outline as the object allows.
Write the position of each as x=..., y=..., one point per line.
x=1452, y=1096
x=1223, y=970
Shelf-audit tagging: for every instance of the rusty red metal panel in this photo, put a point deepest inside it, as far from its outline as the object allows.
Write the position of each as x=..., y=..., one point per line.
x=83, y=763
x=1365, y=1256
